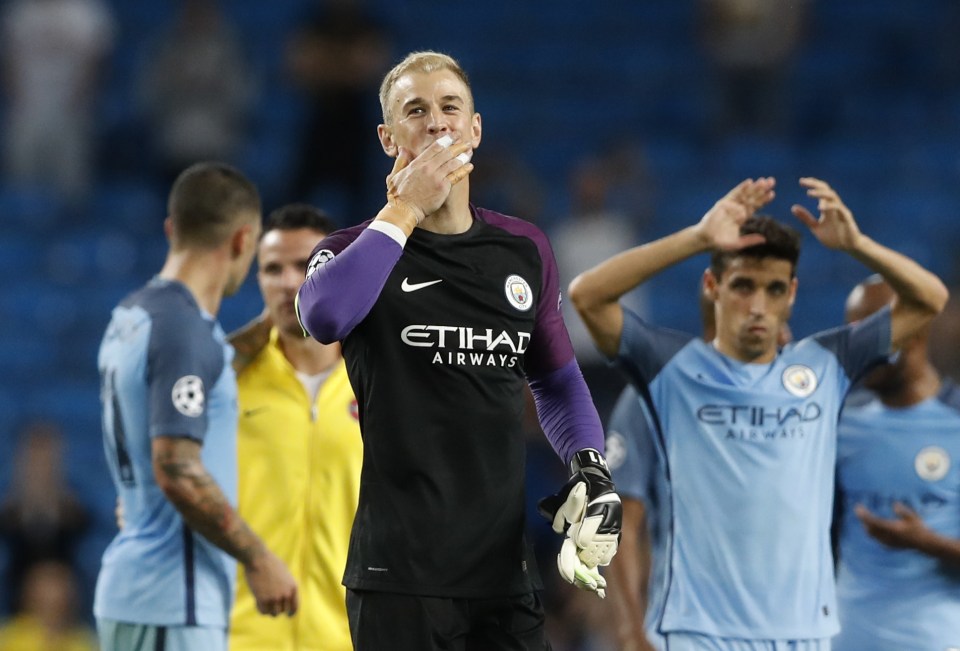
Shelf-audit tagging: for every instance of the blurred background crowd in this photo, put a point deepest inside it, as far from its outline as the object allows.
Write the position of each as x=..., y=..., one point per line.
x=607, y=123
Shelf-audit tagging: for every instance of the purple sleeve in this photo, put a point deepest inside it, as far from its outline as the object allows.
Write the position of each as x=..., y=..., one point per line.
x=564, y=406
x=566, y=411
x=344, y=280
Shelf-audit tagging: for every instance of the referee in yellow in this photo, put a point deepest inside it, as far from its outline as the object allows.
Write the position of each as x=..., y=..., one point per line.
x=300, y=450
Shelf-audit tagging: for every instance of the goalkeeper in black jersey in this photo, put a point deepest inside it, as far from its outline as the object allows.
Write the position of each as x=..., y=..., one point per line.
x=445, y=311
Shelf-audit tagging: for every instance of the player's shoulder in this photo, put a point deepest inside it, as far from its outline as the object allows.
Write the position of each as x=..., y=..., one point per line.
x=340, y=238
x=668, y=343
x=818, y=345
x=175, y=315
x=511, y=225
x=164, y=300
x=495, y=218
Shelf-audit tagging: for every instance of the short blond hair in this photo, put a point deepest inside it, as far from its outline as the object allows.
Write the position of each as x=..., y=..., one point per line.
x=425, y=62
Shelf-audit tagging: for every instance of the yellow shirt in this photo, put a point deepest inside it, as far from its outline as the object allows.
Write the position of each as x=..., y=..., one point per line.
x=299, y=482
x=24, y=633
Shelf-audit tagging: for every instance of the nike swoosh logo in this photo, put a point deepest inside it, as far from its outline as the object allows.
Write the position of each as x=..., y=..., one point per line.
x=256, y=410
x=407, y=286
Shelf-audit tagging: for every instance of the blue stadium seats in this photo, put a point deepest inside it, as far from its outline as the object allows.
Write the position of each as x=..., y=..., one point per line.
x=11, y=396
x=672, y=158
x=849, y=165
x=131, y=205
x=930, y=162
x=19, y=253
x=27, y=356
x=76, y=405
x=31, y=208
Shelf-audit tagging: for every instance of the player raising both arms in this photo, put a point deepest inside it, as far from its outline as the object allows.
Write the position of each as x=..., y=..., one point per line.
x=749, y=429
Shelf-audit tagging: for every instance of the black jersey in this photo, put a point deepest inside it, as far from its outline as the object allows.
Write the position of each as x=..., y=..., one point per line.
x=438, y=366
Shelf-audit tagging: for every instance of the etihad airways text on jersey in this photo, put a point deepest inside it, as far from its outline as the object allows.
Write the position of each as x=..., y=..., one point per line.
x=464, y=345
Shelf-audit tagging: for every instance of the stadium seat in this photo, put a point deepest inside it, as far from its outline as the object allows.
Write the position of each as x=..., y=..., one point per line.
x=33, y=208
x=133, y=206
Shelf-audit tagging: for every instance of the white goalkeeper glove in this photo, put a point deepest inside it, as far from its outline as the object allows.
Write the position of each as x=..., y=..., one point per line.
x=589, y=511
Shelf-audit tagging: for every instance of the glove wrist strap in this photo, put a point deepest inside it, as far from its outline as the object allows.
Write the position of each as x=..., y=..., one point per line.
x=589, y=460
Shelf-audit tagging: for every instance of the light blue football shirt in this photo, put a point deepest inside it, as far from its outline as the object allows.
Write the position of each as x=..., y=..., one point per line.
x=636, y=463
x=890, y=599
x=750, y=452
x=165, y=371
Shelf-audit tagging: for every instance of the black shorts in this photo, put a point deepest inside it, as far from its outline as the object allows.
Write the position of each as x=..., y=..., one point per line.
x=399, y=622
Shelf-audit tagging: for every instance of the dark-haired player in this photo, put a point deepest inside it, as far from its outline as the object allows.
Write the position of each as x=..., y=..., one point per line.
x=748, y=429
x=637, y=577
x=299, y=447
x=169, y=399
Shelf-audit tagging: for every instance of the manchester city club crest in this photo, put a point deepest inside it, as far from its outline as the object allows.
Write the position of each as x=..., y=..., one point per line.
x=518, y=292
x=932, y=463
x=799, y=380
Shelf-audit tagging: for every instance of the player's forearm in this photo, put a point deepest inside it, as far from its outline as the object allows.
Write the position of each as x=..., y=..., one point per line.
x=610, y=280
x=942, y=548
x=627, y=575
x=915, y=286
x=341, y=292
x=596, y=292
x=625, y=587
x=566, y=411
x=205, y=508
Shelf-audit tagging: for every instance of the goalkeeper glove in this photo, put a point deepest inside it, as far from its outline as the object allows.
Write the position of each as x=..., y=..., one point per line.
x=589, y=511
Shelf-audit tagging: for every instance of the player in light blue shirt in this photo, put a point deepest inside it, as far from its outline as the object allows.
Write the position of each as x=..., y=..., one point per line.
x=637, y=466
x=169, y=401
x=748, y=429
x=898, y=483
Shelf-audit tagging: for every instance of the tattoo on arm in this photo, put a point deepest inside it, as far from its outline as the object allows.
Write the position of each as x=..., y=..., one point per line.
x=198, y=498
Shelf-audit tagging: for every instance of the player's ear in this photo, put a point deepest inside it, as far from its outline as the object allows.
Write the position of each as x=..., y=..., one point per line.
x=794, y=283
x=476, y=130
x=385, y=133
x=711, y=284
x=242, y=240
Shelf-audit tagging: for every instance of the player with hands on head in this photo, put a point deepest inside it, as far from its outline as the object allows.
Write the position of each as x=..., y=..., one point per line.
x=445, y=310
x=898, y=491
x=748, y=428
x=169, y=399
x=637, y=576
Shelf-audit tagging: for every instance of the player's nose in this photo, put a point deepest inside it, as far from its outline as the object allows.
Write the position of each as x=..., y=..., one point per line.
x=437, y=122
x=292, y=279
x=758, y=303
